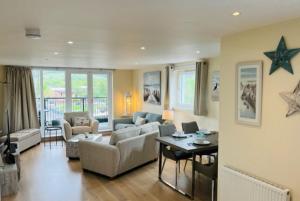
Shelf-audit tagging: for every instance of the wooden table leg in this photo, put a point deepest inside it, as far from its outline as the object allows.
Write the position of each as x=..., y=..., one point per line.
x=193, y=176
x=160, y=161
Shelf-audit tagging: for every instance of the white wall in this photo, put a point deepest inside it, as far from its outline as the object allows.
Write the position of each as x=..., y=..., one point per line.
x=271, y=151
x=210, y=121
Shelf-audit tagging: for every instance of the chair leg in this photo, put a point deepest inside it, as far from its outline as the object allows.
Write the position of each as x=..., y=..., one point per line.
x=212, y=190
x=163, y=164
x=179, y=166
x=185, y=164
x=176, y=169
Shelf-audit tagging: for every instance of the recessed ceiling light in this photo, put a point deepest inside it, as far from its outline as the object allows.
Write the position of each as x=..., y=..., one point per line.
x=143, y=48
x=136, y=63
x=236, y=13
x=56, y=53
x=198, y=51
x=70, y=42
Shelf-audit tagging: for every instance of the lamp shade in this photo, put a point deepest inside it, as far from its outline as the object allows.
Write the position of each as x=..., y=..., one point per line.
x=168, y=115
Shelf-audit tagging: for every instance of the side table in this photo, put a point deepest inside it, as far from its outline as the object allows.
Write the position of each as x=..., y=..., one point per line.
x=9, y=179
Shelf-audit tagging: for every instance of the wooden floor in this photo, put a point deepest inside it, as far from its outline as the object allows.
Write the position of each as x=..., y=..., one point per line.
x=47, y=175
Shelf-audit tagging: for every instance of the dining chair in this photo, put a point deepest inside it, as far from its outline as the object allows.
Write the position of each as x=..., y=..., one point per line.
x=171, y=153
x=210, y=171
x=190, y=127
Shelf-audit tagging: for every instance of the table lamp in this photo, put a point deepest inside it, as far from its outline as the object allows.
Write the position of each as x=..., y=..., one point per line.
x=168, y=116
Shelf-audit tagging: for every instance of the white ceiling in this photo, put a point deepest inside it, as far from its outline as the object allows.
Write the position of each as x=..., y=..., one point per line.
x=109, y=33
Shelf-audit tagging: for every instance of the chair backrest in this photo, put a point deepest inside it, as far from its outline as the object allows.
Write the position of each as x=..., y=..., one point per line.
x=166, y=130
x=69, y=115
x=190, y=127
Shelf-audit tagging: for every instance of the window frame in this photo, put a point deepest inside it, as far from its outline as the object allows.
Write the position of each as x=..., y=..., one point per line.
x=177, y=95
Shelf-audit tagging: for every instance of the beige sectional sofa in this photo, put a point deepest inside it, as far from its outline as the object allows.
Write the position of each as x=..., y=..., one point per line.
x=126, y=149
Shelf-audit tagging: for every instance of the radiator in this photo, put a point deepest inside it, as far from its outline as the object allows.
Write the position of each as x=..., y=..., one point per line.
x=238, y=186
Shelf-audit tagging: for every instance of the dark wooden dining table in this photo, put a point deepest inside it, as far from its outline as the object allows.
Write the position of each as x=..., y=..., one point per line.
x=186, y=145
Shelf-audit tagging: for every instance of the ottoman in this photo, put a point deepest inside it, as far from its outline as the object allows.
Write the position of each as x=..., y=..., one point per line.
x=26, y=138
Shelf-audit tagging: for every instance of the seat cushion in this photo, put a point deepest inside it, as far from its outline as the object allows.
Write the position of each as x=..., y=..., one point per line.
x=123, y=134
x=149, y=128
x=23, y=134
x=138, y=114
x=151, y=117
x=81, y=129
x=122, y=126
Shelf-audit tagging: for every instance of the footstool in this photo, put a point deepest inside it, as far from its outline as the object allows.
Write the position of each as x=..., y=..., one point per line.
x=72, y=149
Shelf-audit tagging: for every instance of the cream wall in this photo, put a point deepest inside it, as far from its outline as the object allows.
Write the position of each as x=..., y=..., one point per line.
x=271, y=151
x=2, y=79
x=122, y=82
x=210, y=121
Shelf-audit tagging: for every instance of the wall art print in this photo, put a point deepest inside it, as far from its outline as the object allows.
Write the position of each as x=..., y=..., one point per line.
x=215, y=81
x=152, y=87
x=249, y=93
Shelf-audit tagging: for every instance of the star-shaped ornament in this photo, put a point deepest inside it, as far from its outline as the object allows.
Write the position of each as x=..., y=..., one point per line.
x=292, y=99
x=282, y=57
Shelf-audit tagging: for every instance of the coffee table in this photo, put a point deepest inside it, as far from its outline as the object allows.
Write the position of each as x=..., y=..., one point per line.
x=72, y=148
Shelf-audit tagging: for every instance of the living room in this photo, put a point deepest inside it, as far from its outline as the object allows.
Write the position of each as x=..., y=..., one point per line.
x=106, y=101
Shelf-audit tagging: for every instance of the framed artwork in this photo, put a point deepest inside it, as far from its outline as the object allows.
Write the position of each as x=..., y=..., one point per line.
x=249, y=92
x=215, y=81
x=152, y=87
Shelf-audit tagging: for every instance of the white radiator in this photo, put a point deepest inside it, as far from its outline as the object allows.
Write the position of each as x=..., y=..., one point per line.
x=238, y=186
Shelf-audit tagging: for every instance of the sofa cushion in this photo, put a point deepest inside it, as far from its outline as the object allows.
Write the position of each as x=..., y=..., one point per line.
x=80, y=121
x=123, y=134
x=122, y=126
x=140, y=121
x=81, y=129
x=150, y=127
x=151, y=117
x=138, y=114
x=23, y=134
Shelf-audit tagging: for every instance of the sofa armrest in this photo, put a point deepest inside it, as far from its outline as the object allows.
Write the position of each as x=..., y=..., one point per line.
x=99, y=157
x=67, y=134
x=94, y=125
x=122, y=121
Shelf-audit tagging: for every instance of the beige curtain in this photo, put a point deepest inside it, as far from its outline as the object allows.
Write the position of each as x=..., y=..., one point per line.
x=20, y=106
x=167, y=89
x=200, y=107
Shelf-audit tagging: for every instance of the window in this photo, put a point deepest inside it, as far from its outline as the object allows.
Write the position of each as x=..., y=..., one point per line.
x=185, y=88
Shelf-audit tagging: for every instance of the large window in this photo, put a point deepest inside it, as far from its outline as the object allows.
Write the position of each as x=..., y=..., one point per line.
x=185, y=89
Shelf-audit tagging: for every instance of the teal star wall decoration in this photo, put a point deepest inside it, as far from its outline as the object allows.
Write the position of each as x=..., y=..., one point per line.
x=282, y=57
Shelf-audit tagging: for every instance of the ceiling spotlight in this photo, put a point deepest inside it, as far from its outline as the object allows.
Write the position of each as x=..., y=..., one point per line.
x=198, y=51
x=142, y=48
x=136, y=63
x=55, y=53
x=32, y=33
x=70, y=42
x=236, y=13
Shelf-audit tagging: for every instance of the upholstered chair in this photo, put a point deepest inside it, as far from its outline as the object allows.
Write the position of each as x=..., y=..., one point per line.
x=78, y=123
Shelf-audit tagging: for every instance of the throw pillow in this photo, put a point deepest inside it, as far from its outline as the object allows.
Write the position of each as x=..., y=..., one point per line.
x=140, y=121
x=149, y=127
x=81, y=121
x=123, y=134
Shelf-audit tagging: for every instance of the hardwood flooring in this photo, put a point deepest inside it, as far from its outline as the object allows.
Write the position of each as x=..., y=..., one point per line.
x=47, y=175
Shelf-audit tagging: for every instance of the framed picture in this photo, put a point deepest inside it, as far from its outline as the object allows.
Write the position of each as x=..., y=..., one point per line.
x=215, y=86
x=249, y=92
x=152, y=87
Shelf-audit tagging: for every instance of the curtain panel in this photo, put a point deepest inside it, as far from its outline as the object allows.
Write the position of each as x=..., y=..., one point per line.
x=20, y=104
x=167, y=89
x=200, y=106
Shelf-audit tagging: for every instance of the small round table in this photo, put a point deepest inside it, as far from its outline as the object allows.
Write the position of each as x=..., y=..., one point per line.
x=48, y=130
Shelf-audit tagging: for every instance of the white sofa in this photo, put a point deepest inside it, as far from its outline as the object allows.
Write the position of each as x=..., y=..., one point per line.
x=111, y=159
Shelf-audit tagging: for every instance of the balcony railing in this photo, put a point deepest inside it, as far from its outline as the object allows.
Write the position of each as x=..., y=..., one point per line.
x=54, y=108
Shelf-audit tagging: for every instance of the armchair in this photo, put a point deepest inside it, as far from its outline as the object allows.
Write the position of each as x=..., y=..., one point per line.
x=70, y=129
